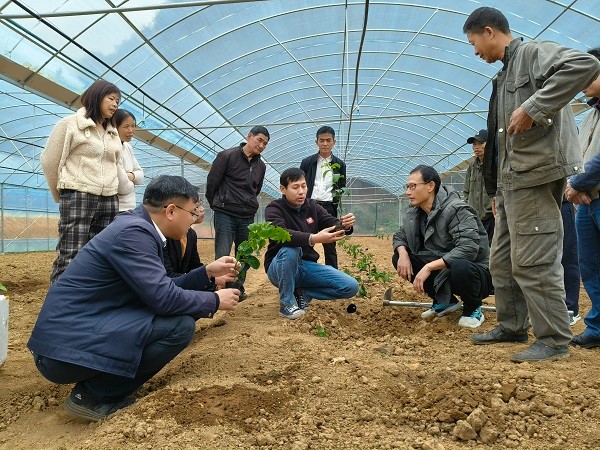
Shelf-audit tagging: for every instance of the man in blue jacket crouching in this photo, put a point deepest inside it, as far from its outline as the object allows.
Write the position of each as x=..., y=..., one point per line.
x=114, y=319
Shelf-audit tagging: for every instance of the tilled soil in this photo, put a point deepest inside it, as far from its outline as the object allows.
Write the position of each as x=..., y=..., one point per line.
x=379, y=378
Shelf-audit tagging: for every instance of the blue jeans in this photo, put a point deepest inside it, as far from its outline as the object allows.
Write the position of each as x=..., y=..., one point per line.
x=229, y=229
x=289, y=271
x=587, y=222
x=569, y=258
x=169, y=336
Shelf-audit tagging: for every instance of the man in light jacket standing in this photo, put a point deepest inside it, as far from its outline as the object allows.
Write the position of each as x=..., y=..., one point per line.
x=532, y=147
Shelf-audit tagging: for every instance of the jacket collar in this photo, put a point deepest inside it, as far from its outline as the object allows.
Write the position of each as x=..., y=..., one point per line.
x=287, y=205
x=439, y=200
x=85, y=122
x=255, y=157
x=510, y=51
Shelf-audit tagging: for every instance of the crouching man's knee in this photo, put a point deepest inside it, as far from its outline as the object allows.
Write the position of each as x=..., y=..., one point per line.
x=349, y=288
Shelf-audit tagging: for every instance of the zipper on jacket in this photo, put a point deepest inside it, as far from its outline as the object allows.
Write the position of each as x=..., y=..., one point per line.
x=103, y=153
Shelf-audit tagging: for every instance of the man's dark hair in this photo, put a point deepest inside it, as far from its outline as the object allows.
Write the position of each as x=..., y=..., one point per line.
x=486, y=17
x=121, y=115
x=290, y=175
x=259, y=129
x=92, y=98
x=595, y=52
x=325, y=130
x=428, y=174
x=163, y=189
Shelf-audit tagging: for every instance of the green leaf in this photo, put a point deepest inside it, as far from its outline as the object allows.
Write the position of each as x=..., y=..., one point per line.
x=362, y=290
x=321, y=331
x=244, y=248
x=258, y=237
x=2, y=288
x=252, y=261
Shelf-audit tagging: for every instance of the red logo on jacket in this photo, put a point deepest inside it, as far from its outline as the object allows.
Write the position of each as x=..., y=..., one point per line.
x=309, y=220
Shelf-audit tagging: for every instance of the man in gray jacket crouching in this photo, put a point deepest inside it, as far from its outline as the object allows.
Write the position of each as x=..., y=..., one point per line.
x=442, y=248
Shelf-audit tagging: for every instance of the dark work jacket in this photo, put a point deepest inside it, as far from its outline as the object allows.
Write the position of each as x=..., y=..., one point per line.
x=309, y=166
x=177, y=264
x=234, y=182
x=453, y=232
x=99, y=313
x=310, y=219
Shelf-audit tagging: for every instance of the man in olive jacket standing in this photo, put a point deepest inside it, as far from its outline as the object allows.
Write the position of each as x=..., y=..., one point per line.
x=532, y=147
x=474, y=188
x=232, y=187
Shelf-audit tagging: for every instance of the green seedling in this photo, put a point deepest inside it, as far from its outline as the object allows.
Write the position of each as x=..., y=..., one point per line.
x=321, y=332
x=2, y=288
x=337, y=193
x=365, y=264
x=248, y=251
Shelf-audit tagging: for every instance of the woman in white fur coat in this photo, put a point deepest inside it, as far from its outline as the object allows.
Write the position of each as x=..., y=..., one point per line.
x=129, y=171
x=80, y=163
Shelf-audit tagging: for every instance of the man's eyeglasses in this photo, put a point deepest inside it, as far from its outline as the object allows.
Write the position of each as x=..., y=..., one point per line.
x=412, y=186
x=194, y=215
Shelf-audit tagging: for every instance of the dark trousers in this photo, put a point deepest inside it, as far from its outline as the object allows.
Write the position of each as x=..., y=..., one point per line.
x=569, y=259
x=489, y=224
x=329, y=249
x=470, y=282
x=169, y=336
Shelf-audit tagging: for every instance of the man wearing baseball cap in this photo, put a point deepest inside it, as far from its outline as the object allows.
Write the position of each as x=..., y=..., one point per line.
x=474, y=189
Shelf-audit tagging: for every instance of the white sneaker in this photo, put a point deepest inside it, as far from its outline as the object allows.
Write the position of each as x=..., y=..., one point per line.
x=450, y=308
x=429, y=314
x=473, y=321
x=573, y=319
x=438, y=310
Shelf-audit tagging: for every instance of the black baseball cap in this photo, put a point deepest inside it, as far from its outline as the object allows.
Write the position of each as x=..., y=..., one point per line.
x=479, y=137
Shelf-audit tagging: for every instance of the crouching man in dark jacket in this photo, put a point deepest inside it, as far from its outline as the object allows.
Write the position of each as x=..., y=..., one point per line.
x=442, y=248
x=292, y=266
x=114, y=319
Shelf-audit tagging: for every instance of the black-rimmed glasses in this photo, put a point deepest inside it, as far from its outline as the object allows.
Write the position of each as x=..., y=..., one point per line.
x=194, y=215
x=412, y=186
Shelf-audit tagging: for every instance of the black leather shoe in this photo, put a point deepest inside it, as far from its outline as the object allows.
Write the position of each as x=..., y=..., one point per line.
x=498, y=335
x=85, y=406
x=586, y=340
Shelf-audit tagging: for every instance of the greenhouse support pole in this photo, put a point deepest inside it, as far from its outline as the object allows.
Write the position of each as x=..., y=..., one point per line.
x=2, y=218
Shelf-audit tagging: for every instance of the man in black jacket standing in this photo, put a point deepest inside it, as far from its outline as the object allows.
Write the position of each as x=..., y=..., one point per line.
x=232, y=187
x=319, y=180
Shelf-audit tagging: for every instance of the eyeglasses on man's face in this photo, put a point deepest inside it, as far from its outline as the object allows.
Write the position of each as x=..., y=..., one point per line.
x=194, y=215
x=411, y=186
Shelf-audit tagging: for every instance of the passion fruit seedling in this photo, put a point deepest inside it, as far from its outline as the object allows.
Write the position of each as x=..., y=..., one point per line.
x=339, y=192
x=365, y=264
x=248, y=251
